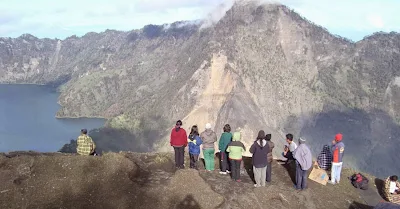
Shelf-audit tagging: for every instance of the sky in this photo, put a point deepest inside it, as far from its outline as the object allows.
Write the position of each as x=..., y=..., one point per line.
x=353, y=19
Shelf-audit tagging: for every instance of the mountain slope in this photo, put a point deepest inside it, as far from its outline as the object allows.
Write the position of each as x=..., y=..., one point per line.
x=260, y=67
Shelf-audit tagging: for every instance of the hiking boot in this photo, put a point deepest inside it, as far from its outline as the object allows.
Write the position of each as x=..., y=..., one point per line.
x=228, y=172
x=256, y=185
x=223, y=173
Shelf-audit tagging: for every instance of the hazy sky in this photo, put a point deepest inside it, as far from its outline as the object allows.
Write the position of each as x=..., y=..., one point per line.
x=353, y=19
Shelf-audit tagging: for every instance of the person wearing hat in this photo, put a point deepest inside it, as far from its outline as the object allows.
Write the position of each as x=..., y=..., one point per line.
x=303, y=157
x=337, y=160
x=85, y=144
x=209, y=138
x=179, y=141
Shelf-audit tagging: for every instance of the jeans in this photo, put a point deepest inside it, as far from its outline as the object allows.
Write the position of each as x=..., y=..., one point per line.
x=260, y=175
x=235, y=169
x=224, y=161
x=301, y=177
x=209, y=159
x=179, y=157
x=268, y=172
x=193, y=160
x=335, y=173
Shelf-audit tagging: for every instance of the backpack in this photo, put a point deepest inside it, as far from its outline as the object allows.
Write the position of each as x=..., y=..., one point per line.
x=359, y=181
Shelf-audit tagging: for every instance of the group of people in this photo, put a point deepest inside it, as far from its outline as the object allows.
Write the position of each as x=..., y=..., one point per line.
x=231, y=150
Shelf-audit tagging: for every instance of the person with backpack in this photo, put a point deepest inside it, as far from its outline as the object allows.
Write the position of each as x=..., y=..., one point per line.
x=225, y=139
x=236, y=149
x=85, y=144
x=303, y=157
x=269, y=157
x=194, y=142
x=209, y=138
x=178, y=141
x=260, y=150
x=337, y=160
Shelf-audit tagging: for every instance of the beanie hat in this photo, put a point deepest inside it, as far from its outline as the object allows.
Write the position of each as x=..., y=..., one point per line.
x=208, y=126
x=338, y=137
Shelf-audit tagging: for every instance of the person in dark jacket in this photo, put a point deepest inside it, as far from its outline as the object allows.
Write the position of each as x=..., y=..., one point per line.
x=225, y=139
x=260, y=150
x=178, y=140
x=269, y=157
x=194, y=146
x=324, y=158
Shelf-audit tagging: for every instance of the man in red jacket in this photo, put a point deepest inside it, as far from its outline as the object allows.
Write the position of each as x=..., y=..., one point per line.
x=179, y=142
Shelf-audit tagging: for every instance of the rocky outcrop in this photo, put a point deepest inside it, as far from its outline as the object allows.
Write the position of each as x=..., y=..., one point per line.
x=132, y=180
x=259, y=67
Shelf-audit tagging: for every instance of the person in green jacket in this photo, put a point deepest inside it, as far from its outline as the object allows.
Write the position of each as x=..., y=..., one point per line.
x=225, y=139
x=236, y=149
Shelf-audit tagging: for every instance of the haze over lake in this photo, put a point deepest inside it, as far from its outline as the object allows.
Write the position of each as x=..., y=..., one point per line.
x=27, y=120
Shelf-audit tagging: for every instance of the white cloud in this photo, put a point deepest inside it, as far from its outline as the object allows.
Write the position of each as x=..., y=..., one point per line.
x=376, y=21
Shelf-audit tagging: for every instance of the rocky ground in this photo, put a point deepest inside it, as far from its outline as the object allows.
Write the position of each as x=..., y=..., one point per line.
x=131, y=180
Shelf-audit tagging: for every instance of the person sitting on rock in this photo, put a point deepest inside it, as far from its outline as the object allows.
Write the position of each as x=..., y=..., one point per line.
x=225, y=139
x=260, y=150
x=85, y=144
x=289, y=149
x=209, y=137
x=303, y=158
x=324, y=158
x=392, y=189
x=194, y=146
x=236, y=149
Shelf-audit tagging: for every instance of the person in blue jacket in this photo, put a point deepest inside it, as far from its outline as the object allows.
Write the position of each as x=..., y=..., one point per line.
x=194, y=142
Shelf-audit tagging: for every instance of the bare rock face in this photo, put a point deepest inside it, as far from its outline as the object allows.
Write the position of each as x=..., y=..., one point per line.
x=259, y=67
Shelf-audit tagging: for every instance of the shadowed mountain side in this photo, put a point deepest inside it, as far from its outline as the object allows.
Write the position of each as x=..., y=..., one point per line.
x=371, y=138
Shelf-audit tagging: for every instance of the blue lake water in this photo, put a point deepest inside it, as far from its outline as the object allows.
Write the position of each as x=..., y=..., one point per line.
x=27, y=120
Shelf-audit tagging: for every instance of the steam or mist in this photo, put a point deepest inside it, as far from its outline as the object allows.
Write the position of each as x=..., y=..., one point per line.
x=219, y=12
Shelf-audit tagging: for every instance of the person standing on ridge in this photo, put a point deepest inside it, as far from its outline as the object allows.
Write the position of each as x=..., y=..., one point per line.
x=225, y=139
x=260, y=150
x=303, y=157
x=324, y=159
x=85, y=144
x=194, y=146
x=269, y=157
x=236, y=149
x=209, y=138
x=337, y=162
x=178, y=140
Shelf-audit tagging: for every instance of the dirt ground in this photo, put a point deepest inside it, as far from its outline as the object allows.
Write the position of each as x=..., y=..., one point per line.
x=132, y=180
